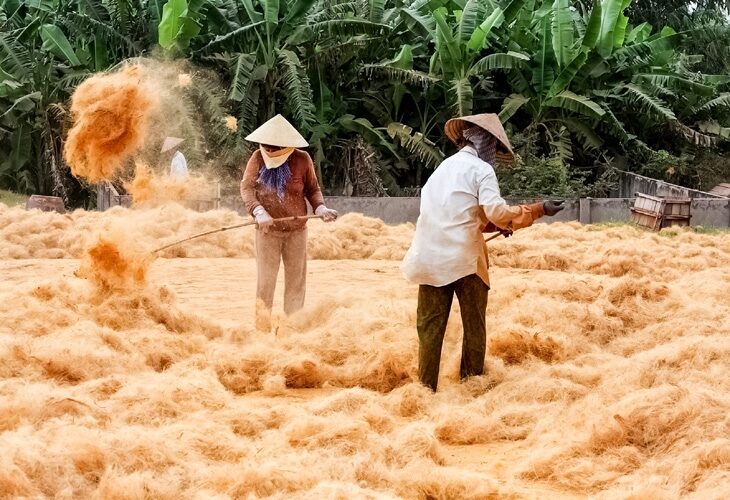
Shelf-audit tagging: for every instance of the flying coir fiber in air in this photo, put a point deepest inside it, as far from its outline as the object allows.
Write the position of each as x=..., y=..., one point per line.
x=149, y=188
x=115, y=262
x=111, y=119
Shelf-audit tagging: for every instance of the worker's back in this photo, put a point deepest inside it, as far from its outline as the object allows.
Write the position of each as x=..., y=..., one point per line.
x=448, y=240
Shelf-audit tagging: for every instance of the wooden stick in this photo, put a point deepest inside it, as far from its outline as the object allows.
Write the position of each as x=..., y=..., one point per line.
x=496, y=235
x=226, y=228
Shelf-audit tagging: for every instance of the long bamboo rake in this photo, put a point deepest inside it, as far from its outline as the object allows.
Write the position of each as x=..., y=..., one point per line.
x=251, y=223
x=226, y=228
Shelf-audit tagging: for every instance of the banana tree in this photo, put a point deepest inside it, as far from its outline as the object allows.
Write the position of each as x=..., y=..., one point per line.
x=439, y=75
x=462, y=39
x=592, y=77
x=408, y=105
x=263, y=49
x=462, y=34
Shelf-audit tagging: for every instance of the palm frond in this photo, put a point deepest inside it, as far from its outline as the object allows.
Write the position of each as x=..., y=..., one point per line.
x=511, y=105
x=95, y=9
x=334, y=10
x=513, y=9
x=673, y=81
x=561, y=145
x=642, y=54
x=507, y=60
x=298, y=9
x=248, y=111
x=85, y=23
x=347, y=28
x=122, y=13
x=481, y=33
x=298, y=89
x=570, y=101
x=615, y=126
x=723, y=100
x=417, y=144
x=367, y=131
x=398, y=75
x=241, y=70
x=462, y=94
x=376, y=10
x=593, y=27
x=14, y=58
x=638, y=96
x=585, y=132
x=235, y=37
x=418, y=21
x=566, y=76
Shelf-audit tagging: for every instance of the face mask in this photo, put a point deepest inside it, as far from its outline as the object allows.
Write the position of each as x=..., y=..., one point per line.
x=277, y=158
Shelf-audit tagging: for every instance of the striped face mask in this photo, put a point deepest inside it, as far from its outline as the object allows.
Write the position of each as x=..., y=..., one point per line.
x=275, y=159
x=484, y=143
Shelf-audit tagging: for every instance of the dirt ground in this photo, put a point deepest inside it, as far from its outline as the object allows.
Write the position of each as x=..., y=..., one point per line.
x=607, y=376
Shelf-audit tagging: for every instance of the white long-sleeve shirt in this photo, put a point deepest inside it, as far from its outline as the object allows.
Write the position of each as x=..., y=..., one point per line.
x=457, y=202
x=179, y=165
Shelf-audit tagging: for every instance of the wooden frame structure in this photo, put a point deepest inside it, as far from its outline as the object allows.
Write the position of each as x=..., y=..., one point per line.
x=655, y=213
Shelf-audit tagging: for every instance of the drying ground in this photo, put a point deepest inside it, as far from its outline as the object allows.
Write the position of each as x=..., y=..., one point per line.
x=607, y=373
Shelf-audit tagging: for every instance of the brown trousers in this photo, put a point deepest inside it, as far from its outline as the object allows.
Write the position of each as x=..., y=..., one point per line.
x=434, y=306
x=272, y=248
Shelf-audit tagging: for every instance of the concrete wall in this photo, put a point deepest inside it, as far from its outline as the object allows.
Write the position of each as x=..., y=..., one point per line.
x=398, y=210
x=710, y=212
x=705, y=212
x=631, y=183
x=391, y=210
x=605, y=210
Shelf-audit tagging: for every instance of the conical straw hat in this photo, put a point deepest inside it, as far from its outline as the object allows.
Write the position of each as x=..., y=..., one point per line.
x=489, y=122
x=171, y=142
x=278, y=132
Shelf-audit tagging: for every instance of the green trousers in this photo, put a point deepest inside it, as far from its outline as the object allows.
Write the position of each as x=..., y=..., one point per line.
x=434, y=306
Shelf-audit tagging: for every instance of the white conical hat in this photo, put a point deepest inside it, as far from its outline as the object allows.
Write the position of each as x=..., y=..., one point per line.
x=278, y=132
x=171, y=142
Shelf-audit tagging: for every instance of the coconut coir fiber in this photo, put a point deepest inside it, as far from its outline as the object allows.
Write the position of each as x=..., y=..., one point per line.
x=606, y=376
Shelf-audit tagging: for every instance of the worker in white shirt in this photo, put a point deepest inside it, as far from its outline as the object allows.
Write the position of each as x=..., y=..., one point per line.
x=448, y=255
x=171, y=153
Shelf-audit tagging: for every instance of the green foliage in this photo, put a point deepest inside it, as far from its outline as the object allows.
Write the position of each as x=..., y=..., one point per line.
x=12, y=199
x=586, y=83
x=534, y=177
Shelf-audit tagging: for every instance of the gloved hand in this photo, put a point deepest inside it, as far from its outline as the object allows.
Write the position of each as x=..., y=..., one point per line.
x=552, y=207
x=327, y=214
x=263, y=220
x=493, y=228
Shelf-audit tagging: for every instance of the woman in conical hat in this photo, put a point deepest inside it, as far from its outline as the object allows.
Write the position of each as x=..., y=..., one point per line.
x=278, y=182
x=448, y=255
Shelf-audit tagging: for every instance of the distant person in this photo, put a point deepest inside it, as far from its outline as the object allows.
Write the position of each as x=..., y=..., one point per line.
x=178, y=163
x=448, y=255
x=278, y=182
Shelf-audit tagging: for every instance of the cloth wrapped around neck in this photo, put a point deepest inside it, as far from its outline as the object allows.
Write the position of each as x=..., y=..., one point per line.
x=275, y=173
x=275, y=159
